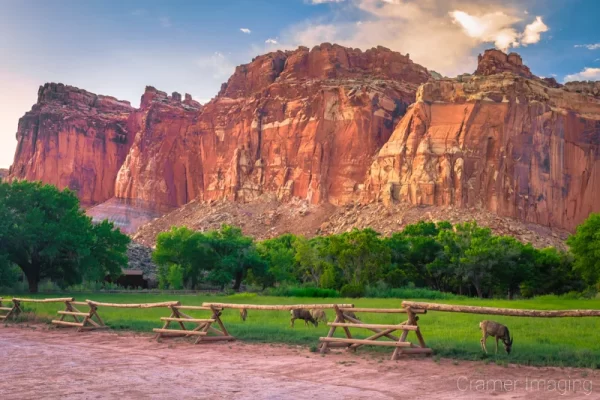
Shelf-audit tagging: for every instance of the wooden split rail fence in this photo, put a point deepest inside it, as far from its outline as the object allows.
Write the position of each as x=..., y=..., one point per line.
x=212, y=328
x=13, y=311
x=401, y=345
x=91, y=319
x=509, y=312
x=203, y=326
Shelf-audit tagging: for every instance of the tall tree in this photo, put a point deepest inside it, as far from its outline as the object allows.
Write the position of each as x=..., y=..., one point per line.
x=47, y=235
x=236, y=255
x=585, y=246
x=191, y=251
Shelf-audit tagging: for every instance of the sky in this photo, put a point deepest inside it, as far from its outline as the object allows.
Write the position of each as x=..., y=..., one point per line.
x=118, y=47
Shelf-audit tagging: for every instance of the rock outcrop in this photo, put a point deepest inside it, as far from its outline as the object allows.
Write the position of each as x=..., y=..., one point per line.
x=76, y=139
x=494, y=61
x=329, y=125
x=589, y=88
x=500, y=142
x=303, y=123
x=3, y=173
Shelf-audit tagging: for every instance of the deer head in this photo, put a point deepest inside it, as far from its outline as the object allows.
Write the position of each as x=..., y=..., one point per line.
x=508, y=344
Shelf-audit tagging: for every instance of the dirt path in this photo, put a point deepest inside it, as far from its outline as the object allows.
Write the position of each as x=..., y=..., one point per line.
x=60, y=364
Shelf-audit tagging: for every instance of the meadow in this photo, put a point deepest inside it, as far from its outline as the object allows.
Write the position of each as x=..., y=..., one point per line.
x=537, y=341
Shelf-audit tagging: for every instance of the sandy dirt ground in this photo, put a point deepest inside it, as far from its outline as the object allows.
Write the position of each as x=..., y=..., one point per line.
x=46, y=363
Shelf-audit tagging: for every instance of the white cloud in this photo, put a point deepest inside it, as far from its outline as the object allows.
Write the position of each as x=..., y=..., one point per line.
x=423, y=28
x=217, y=64
x=497, y=27
x=533, y=31
x=588, y=74
x=271, y=41
x=165, y=22
x=246, y=30
x=593, y=46
x=493, y=27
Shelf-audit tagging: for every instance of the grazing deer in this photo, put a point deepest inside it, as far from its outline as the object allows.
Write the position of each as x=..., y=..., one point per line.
x=498, y=331
x=350, y=314
x=319, y=315
x=301, y=313
x=243, y=314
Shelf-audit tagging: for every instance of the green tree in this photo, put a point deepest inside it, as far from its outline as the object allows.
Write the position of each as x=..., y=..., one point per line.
x=47, y=235
x=108, y=252
x=191, y=251
x=175, y=277
x=467, y=252
x=553, y=272
x=279, y=255
x=235, y=255
x=361, y=255
x=585, y=246
x=514, y=264
x=310, y=263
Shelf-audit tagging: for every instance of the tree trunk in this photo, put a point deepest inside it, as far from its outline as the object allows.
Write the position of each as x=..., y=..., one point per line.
x=238, y=281
x=33, y=278
x=479, y=292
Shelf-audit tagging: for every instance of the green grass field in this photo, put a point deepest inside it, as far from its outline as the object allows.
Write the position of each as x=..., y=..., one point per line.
x=537, y=341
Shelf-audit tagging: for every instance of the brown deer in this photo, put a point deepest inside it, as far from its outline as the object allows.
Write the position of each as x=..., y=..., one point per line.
x=350, y=314
x=498, y=331
x=243, y=314
x=301, y=313
x=319, y=315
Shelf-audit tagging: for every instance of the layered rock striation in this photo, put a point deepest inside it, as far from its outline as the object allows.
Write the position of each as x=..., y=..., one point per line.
x=303, y=123
x=74, y=139
x=502, y=142
x=329, y=125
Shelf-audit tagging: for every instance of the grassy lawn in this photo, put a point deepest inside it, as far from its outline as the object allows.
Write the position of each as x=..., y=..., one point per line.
x=537, y=341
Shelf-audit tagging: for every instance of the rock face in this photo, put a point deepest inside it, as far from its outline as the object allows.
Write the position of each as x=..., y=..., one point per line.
x=76, y=139
x=329, y=125
x=3, y=173
x=589, y=88
x=500, y=142
x=302, y=123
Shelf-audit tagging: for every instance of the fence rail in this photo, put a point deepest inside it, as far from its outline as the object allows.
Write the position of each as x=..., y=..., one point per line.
x=511, y=312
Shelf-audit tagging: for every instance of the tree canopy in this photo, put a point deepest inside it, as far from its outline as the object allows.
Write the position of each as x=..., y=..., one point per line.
x=585, y=246
x=46, y=234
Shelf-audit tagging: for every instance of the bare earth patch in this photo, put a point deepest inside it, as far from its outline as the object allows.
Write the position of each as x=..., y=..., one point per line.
x=38, y=362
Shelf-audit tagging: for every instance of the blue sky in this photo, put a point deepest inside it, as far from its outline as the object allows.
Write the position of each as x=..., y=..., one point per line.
x=119, y=47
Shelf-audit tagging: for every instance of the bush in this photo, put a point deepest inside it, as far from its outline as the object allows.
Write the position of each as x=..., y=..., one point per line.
x=175, y=277
x=302, y=292
x=353, y=290
x=381, y=291
x=9, y=275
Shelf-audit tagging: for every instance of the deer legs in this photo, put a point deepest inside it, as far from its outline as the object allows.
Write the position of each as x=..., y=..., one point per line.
x=482, y=341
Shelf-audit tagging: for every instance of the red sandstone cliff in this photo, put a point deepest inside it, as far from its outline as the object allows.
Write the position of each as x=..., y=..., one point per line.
x=73, y=138
x=3, y=173
x=500, y=142
x=328, y=125
x=303, y=123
